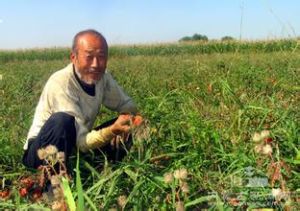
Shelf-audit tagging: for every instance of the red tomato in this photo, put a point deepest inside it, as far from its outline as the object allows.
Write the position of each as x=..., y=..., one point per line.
x=137, y=120
x=27, y=182
x=4, y=193
x=268, y=140
x=23, y=192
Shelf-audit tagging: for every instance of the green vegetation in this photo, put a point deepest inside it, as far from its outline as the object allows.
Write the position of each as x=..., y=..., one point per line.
x=195, y=37
x=192, y=48
x=227, y=38
x=204, y=101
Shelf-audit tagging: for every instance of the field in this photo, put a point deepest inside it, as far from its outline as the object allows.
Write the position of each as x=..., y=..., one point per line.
x=206, y=103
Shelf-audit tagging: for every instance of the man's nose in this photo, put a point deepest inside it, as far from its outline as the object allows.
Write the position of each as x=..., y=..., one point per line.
x=95, y=62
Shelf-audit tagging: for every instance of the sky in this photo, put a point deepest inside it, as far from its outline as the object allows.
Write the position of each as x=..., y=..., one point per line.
x=53, y=23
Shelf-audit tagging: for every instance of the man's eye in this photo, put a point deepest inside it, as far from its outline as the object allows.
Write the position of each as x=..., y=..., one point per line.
x=99, y=56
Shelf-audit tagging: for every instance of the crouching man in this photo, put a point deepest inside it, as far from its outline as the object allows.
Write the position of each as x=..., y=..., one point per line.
x=71, y=100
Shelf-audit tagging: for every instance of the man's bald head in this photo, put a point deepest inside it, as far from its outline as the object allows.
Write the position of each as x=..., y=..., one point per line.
x=81, y=34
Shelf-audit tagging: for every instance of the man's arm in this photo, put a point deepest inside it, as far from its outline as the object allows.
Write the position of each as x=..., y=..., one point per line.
x=115, y=98
x=99, y=138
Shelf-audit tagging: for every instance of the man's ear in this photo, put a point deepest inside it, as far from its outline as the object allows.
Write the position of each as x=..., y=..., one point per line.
x=73, y=57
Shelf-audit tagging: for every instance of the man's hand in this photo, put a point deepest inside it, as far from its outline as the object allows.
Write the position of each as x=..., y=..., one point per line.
x=125, y=123
x=121, y=129
x=121, y=125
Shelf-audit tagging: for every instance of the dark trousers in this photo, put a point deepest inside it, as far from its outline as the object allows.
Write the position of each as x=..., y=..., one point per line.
x=59, y=130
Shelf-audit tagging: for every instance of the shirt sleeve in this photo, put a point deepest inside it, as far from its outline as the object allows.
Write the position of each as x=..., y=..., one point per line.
x=90, y=140
x=114, y=97
x=99, y=138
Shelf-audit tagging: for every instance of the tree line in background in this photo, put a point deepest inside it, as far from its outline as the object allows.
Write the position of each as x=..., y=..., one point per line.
x=200, y=37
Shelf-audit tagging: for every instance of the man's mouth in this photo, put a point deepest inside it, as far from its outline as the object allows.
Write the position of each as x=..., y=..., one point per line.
x=95, y=71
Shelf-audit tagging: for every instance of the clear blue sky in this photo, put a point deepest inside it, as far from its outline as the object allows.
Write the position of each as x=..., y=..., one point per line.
x=48, y=23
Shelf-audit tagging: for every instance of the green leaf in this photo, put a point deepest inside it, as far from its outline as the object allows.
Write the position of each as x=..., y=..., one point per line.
x=68, y=194
x=298, y=155
x=90, y=202
x=131, y=174
x=200, y=200
x=80, y=204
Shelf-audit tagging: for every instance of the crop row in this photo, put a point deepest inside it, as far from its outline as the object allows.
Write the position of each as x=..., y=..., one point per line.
x=210, y=47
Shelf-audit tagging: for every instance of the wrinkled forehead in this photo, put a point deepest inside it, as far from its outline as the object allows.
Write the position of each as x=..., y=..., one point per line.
x=93, y=51
x=92, y=44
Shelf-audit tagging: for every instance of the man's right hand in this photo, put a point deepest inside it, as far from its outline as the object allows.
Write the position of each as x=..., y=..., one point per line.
x=122, y=124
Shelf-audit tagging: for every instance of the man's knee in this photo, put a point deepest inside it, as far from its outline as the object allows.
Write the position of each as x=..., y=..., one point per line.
x=62, y=120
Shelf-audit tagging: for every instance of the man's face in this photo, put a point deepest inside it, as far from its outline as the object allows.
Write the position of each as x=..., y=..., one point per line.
x=90, y=59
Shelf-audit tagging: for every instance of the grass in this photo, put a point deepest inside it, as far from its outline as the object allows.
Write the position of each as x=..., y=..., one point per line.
x=204, y=105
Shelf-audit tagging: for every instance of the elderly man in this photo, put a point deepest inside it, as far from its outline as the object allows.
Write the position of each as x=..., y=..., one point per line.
x=71, y=100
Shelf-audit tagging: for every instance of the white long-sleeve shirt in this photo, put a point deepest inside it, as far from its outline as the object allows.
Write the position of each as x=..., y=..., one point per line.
x=63, y=93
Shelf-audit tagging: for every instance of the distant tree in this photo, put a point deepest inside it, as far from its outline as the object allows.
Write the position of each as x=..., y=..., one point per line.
x=199, y=37
x=185, y=39
x=227, y=38
x=195, y=37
